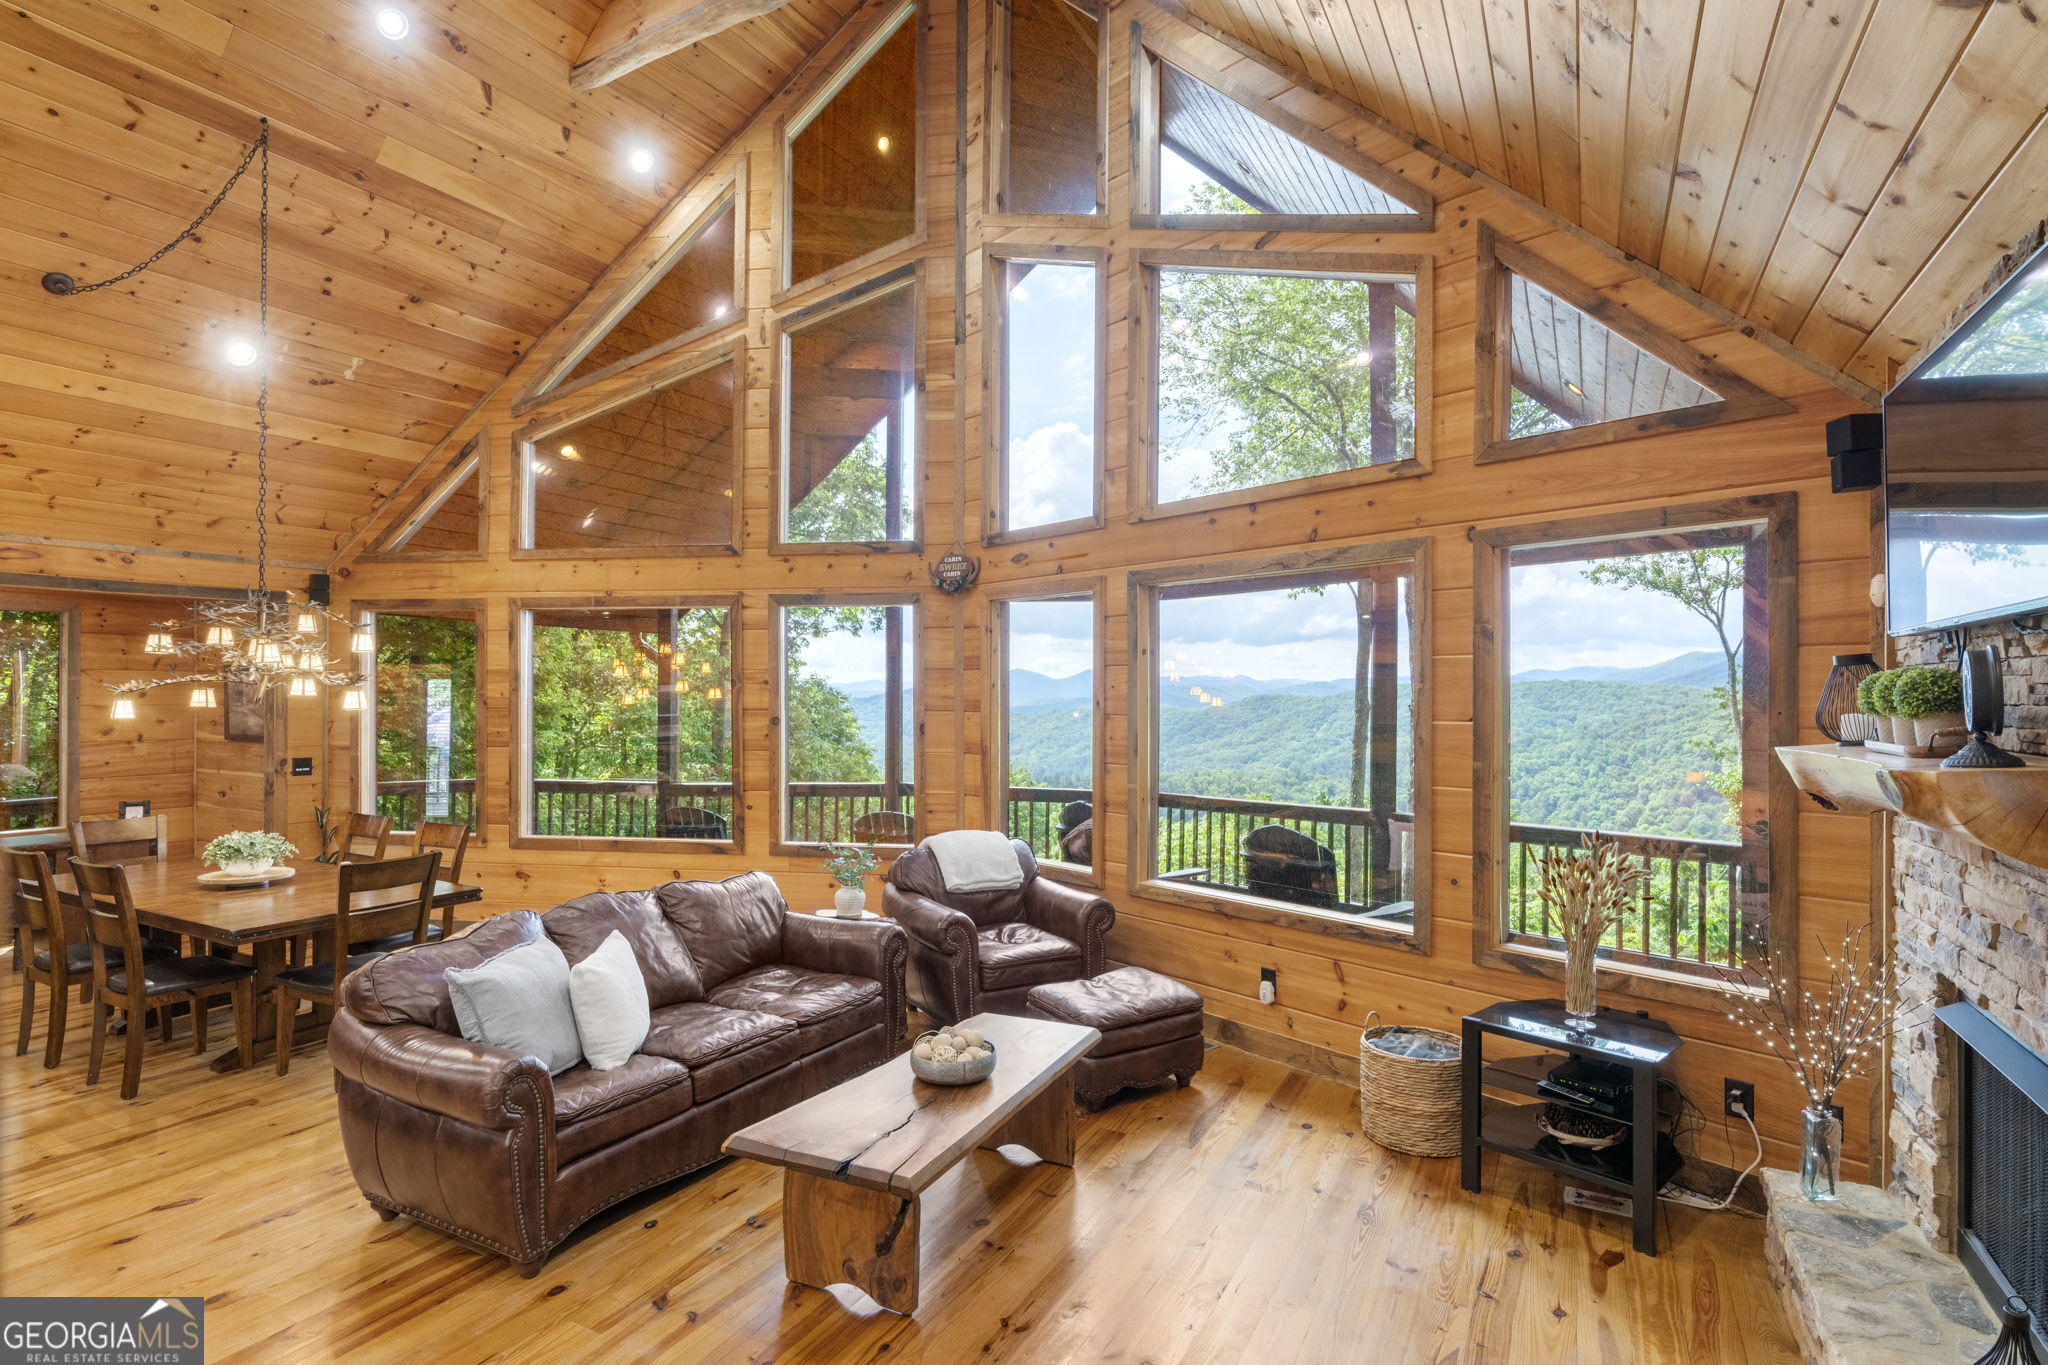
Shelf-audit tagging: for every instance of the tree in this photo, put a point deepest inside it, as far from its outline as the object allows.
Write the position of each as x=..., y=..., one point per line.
x=851, y=503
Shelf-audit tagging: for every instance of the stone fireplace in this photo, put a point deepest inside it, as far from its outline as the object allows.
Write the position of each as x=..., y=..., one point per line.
x=1878, y=1277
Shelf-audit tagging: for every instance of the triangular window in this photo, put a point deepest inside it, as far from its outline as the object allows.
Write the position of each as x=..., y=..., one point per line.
x=852, y=158
x=1563, y=365
x=1567, y=370
x=448, y=519
x=694, y=291
x=1219, y=156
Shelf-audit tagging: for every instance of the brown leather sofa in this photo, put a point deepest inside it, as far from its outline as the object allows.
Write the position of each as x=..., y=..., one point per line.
x=984, y=950
x=754, y=1008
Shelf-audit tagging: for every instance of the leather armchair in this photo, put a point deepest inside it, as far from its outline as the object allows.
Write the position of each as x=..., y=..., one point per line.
x=984, y=950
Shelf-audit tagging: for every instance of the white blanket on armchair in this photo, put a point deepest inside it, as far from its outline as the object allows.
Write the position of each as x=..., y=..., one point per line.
x=976, y=860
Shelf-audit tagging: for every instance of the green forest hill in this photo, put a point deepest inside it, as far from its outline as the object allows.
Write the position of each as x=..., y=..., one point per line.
x=1604, y=748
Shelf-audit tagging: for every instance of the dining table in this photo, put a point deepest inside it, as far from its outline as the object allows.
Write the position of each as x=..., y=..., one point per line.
x=261, y=920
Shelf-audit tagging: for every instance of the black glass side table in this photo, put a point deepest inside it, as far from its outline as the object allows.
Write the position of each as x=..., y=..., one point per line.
x=1634, y=1041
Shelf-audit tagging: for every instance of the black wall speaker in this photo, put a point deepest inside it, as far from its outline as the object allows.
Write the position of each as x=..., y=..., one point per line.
x=1856, y=451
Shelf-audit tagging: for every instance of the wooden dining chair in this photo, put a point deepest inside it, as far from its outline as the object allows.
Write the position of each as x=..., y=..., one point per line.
x=364, y=838
x=404, y=916
x=141, y=839
x=49, y=951
x=162, y=982
x=451, y=840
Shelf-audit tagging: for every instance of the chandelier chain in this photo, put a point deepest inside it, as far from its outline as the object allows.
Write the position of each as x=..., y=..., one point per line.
x=262, y=373
x=191, y=231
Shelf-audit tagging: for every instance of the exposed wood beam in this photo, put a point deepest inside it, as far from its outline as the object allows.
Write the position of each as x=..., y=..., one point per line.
x=632, y=33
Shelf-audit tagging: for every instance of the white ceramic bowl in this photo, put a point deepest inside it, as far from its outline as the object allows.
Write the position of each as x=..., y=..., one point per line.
x=953, y=1073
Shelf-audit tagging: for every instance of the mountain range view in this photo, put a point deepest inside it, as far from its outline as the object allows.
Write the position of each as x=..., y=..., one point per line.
x=1593, y=747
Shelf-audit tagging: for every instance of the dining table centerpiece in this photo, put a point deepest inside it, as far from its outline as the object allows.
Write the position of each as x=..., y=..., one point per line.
x=248, y=852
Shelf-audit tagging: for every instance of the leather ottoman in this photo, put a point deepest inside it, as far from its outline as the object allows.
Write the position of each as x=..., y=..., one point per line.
x=1151, y=1029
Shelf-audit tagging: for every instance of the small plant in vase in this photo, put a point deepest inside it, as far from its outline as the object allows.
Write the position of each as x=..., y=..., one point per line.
x=248, y=852
x=1930, y=702
x=1588, y=890
x=1827, y=1037
x=850, y=865
x=1874, y=699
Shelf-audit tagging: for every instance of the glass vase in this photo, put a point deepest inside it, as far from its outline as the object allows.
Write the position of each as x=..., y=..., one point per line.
x=1820, y=1153
x=1580, y=981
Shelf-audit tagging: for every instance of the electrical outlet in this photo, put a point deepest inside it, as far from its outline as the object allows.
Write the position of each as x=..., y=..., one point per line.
x=1737, y=1098
x=1269, y=985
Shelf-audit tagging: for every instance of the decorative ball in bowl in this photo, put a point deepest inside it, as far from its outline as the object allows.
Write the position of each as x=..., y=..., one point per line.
x=952, y=1056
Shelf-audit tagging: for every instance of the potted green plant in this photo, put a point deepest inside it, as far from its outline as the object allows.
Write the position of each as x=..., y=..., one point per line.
x=850, y=865
x=248, y=852
x=1930, y=702
x=1874, y=699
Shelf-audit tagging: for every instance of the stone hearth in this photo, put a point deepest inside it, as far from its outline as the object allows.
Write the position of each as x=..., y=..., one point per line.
x=1863, y=1285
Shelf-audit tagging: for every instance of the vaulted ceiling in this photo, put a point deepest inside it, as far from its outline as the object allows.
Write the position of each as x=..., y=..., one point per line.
x=1842, y=172
x=437, y=203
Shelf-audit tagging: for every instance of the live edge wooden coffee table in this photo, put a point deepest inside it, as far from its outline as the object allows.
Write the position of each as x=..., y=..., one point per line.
x=856, y=1158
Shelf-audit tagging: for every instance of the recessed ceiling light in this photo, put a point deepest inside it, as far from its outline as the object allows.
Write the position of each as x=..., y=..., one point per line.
x=641, y=159
x=240, y=352
x=882, y=143
x=1575, y=388
x=571, y=453
x=719, y=311
x=393, y=24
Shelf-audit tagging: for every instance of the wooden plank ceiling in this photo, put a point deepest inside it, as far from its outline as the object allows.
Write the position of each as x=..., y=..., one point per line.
x=437, y=203
x=1842, y=172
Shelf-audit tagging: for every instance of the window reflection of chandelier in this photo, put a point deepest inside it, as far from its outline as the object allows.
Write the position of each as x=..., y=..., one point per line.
x=264, y=640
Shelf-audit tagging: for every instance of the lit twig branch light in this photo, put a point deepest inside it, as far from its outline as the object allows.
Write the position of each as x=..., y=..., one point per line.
x=1826, y=1040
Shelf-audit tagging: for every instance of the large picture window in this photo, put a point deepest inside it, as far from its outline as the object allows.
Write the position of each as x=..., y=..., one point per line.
x=1280, y=713
x=630, y=722
x=31, y=719
x=849, y=720
x=1263, y=374
x=423, y=765
x=656, y=472
x=1046, y=679
x=1632, y=670
x=850, y=424
x=853, y=159
x=1048, y=394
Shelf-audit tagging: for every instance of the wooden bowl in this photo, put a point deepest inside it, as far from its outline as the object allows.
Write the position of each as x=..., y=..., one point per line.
x=952, y=1073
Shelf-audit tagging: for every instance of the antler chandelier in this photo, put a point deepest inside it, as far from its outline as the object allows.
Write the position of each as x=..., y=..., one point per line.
x=263, y=640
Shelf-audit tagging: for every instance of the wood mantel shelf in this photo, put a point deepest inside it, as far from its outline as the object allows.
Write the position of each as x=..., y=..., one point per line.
x=2004, y=809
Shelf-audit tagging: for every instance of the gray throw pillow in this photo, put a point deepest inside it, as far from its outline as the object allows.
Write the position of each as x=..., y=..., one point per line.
x=610, y=999
x=519, y=1000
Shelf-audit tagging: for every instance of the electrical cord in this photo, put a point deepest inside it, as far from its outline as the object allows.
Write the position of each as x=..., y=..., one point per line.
x=1747, y=1171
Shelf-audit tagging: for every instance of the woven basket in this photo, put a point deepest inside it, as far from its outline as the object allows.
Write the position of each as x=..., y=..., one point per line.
x=1408, y=1104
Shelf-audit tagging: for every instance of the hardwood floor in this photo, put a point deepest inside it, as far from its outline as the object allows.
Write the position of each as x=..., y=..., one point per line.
x=1243, y=1219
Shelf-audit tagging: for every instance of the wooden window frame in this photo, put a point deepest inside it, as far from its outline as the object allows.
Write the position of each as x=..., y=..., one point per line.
x=1143, y=756
x=68, y=699
x=792, y=124
x=1147, y=51
x=1499, y=260
x=450, y=608
x=778, y=604
x=996, y=188
x=996, y=406
x=1770, y=700
x=906, y=276
x=523, y=610
x=1144, y=369
x=554, y=420
x=553, y=383
x=473, y=458
x=1095, y=589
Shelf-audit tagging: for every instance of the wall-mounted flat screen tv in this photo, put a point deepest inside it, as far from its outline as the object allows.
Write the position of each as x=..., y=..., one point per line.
x=1966, y=468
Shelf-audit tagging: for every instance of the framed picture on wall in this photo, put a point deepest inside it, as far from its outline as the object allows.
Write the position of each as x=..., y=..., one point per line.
x=243, y=717
x=132, y=810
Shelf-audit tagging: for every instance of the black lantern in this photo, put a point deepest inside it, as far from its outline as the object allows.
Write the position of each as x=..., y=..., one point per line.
x=1838, y=694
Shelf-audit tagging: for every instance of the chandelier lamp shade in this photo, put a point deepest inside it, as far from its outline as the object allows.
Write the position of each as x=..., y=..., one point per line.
x=262, y=640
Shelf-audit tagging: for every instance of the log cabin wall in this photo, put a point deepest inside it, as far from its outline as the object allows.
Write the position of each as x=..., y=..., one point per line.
x=1328, y=984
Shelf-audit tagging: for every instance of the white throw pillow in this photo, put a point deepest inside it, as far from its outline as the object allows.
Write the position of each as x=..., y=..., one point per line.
x=519, y=1000
x=610, y=999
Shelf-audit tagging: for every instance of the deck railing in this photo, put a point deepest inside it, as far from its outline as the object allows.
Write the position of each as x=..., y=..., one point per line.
x=821, y=812
x=1687, y=912
x=28, y=812
x=408, y=803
